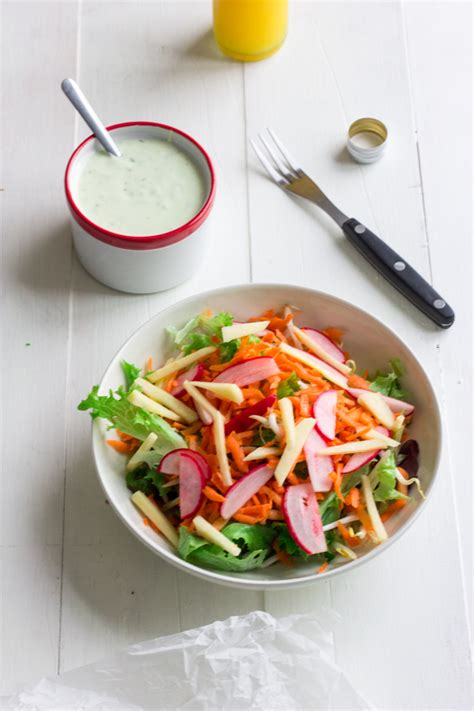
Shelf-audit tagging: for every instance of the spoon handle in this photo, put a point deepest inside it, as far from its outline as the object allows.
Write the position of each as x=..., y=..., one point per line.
x=79, y=101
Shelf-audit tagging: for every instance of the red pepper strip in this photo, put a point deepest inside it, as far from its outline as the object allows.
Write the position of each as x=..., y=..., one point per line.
x=243, y=420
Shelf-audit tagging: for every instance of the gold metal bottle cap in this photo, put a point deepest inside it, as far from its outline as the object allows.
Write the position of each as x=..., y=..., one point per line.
x=366, y=140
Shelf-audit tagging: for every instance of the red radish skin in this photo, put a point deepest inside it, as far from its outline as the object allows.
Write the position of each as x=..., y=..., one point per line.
x=398, y=406
x=170, y=462
x=191, y=484
x=243, y=420
x=356, y=461
x=194, y=373
x=248, y=371
x=243, y=489
x=301, y=512
x=324, y=412
x=325, y=343
x=320, y=466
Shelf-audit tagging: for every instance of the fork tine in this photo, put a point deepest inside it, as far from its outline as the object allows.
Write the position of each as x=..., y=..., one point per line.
x=272, y=172
x=279, y=165
x=284, y=152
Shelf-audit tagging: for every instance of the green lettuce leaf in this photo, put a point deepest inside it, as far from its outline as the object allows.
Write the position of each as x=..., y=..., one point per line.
x=180, y=335
x=253, y=540
x=249, y=537
x=228, y=350
x=389, y=383
x=289, y=386
x=285, y=542
x=149, y=481
x=329, y=507
x=202, y=331
x=213, y=324
x=130, y=419
x=195, y=341
x=131, y=373
x=385, y=480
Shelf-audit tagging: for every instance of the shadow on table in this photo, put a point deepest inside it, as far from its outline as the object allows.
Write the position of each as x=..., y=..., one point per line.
x=115, y=591
x=205, y=47
x=51, y=265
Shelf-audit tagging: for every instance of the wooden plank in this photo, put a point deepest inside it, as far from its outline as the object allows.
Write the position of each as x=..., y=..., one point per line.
x=329, y=74
x=155, y=71
x=36, y=269
x=444, y=137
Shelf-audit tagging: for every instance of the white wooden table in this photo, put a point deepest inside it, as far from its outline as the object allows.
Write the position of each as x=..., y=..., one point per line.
x=76, y=584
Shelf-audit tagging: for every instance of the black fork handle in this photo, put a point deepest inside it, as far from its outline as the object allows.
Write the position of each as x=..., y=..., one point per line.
x=399, y=273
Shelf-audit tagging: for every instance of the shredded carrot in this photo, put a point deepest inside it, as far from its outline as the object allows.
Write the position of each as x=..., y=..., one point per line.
x=279, y=324
x=353, y=497
x=275, y=515
x=284, y=558
x=390, y=510
x=119, y=446
x=356, y=381
x=336, y=476
x=148, y=365
x=212, y=495
x=363, y=517
x=276, y=498
x=219, y=523
x=323, y=567
x=259, y=512
x=170, y=385
x=402, y=488
x=241, y=518
x=304, y=406
x=350, y=540
x=237, y=453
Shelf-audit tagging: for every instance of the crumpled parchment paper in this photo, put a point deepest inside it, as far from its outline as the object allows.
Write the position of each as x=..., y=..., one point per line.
x=252, y=661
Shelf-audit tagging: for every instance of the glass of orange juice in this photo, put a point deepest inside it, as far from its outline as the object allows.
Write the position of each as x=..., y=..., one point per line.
x=250, y=30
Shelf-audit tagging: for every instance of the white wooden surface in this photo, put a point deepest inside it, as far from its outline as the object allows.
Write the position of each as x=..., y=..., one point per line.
x=76, y=585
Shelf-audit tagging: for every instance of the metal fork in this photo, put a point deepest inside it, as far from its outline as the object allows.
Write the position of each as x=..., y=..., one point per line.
x=287, y=173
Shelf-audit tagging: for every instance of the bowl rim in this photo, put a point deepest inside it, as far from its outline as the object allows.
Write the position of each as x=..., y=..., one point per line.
x=247, y=583
x=138, y=242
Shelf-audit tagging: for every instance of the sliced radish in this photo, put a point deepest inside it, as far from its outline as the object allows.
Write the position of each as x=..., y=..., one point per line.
x=395, y=405
x=243, y=420
x=356, y=461
x=324, y=412
x=301, y=512
x=319, y=466
x=325, y=343
x=248, y=371
x=194, y=373
x=191, y=484
x=243, y=489
x=170, y=462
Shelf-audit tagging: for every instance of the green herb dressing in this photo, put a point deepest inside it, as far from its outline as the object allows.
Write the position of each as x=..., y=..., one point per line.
x=154, y=187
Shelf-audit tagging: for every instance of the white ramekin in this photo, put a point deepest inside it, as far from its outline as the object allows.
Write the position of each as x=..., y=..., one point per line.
x=140, y=264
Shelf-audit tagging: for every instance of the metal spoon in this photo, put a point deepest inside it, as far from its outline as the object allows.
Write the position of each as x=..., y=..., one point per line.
x=80, y=103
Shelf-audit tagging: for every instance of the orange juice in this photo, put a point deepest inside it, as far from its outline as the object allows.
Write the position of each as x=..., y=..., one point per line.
x=249, y=30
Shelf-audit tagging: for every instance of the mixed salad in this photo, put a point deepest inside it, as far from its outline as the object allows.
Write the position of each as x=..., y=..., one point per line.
x=257, y=443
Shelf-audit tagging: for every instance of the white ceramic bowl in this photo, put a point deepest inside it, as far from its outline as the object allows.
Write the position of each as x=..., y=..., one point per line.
x=369, y=342
x=140, y=264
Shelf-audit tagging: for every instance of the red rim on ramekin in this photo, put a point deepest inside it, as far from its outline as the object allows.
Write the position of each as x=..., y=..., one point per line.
x=141, y=241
